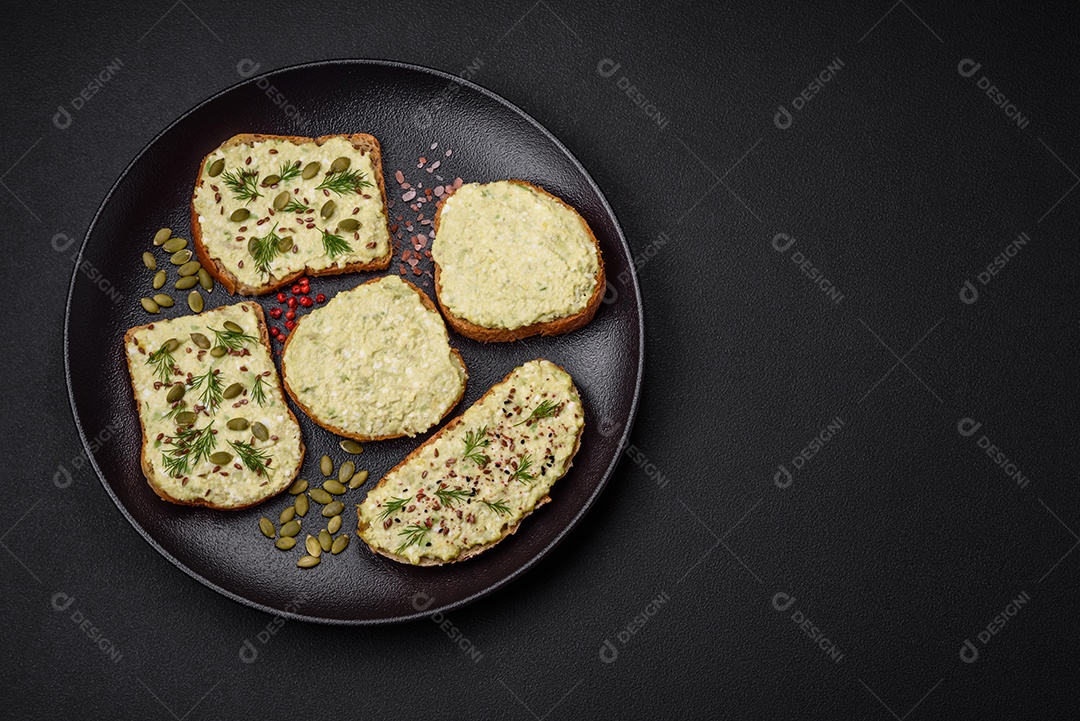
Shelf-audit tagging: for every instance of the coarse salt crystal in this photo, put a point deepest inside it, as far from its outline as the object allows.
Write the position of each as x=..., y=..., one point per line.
x=399, y=176
x=408, y=195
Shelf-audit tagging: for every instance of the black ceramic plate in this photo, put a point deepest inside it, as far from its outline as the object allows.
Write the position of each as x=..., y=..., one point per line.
x=408, y=108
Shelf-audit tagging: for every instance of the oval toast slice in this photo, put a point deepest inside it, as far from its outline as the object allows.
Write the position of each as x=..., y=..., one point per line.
x=471, y=484
x=202, y=383
x=512, y=261
x=374, y=363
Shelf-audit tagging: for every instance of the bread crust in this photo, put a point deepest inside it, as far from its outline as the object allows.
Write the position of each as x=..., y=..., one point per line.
x=552, y=327
x=144, y=460
x=508, y=530
x=356, y=436
x=360, y=141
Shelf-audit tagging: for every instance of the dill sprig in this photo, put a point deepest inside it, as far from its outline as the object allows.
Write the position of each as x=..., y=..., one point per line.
x=256, y=459
x=545, y=410
x=288, y=171
x=393, y=506
x=295, y=206
x=414, y=535
x=522, y=473
x=347, y=181
x=189, y=446
x=180, y=407
x=232, y=339
x=244, y=184
x=265, y=249
x=498, y=506
x=163, y=362
x=212, y=388
x=334, y=245
x=448, y=498
x=473, y=441
x=258, y=390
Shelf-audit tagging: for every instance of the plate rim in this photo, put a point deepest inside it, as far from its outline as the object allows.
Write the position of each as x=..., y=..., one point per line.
x=427, y=612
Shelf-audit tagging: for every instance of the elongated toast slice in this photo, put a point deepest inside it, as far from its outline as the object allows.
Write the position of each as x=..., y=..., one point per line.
x=471, y=484
x=512, y=261
x=216, y=430
x=270, y=208
x=374, y=363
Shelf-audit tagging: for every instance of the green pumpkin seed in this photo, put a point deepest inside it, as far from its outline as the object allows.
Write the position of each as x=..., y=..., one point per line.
x=162, y=235
x=310, y=170
x=335, y=524
x=351, y=446
x=239, y=215
x=348, y=468
x=334, y=487
x=233, y=391
x=298, y=486
x=189, y=269
x=174, y=245
x=349, y=225
x=149, y=305
x=185, y=418
x=328, y=209
x=234, y=327
x=281, y=200
x=285, y=244
x=287, y=515
x=324, y=540
x=302, y=503
x=313, y=547
x=205, y=280
x=187, y=282
x=291, y=528
x=271, y=179
x=216, y=167
x=220, y=458
x=176, y=392
x=195, y=302
x=286, y=543
x=259, y=431
x=340, y=544
x=163, y=300
x=326, y=465
x=200, y=340
x=358, y=480
x=307, y=562
x=159, y=279
x=332, y=509
x=180, y=257
x=320, y=496
x=266, y=527
x=172, y=344
x=238, y=424
x=340, y=165
x=218, y=351
x=149, y=260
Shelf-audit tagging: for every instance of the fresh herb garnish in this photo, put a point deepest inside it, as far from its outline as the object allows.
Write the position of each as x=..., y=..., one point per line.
x=414, y=536
x=498, y=507
x=288, y=171
x=254, y=458
x=473, y=441
x=163, y=362
x=232, y=340
x=244, y=184
x=258, y=390
x=347, y=181
x=265, y=249
x=180, y=407
x=211, y=385
x=189, y=446
x=295, y=206
x=393, y=506
x=448, y=498
x=334, y=245
x=545, y=410
x=522, y=473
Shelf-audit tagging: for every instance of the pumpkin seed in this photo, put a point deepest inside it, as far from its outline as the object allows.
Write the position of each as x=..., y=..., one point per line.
x=149, y=305
x=176, y=393
x=351, y=446
x=313, y=547
x=298, y=486
x=302, y=503
x=190, y=268
x=340, y=165
x=320, y=496
x=216, y=167
x=180, y=257
x=286, y=543
x=159, y=279
x=172, y=344
x=220, y=458
x=348, y=468
x=205, y=280
x=358, y=480
x=173, y=245
x=218, y=351
x=200, y=340
x=162, y=235
x=187, y=282
x=291, y=528
x=335, y=524
x=334, y=487
x=307, y=562
x=328, y=209
x=233, y=391
x=195, y=302
x=259, y=431
x=266, y=527
x=163, y=300
x=285, y=244
x=185, y=418
x=326, y=465
x=324, y=540
x=240, y=214
x=234, y=327
x=332, y=509
x=149, y=260
x=310, y=170
x=238, y=424
x=281, y=200
x=349, y=225
x=340, y=544
x=287, y=515
x=271, y=179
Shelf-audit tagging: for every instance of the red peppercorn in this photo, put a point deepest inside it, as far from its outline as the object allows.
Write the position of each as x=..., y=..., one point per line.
x=282, y=336
x=281, y=297
x=275, y=312
x=321, y=298
x=274, y=331
x=291, y=302
x=290, y=324
x=296, y=290
x=304, y=280
x=304, y=290
x=290, y=315
x=306, y=302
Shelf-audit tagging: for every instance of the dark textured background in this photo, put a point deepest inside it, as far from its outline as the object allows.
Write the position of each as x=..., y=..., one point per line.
x=900, y=180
